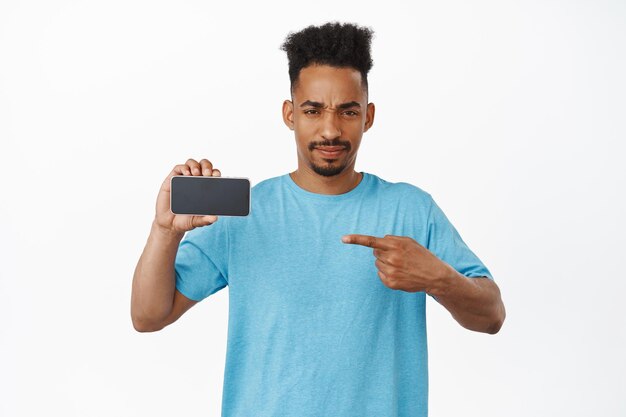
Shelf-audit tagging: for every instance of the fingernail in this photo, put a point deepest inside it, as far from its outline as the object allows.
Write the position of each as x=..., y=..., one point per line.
x=345, y=239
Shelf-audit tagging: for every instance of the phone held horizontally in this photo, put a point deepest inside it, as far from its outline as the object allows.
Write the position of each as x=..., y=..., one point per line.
x=200, y=196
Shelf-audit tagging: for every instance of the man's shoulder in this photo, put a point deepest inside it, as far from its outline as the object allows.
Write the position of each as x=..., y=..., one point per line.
x=267, y=184
x=400, y=189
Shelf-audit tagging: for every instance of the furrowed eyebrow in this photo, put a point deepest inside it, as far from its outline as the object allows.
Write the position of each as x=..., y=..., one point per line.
x=349, y=104
x=319, y=105
x=315, y=104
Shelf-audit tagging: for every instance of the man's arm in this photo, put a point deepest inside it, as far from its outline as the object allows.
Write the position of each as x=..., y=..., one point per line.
x=403, y=264
x=155, y=302
x=474, y=302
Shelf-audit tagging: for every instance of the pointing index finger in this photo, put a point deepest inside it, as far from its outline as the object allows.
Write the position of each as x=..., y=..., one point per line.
x=365, y=240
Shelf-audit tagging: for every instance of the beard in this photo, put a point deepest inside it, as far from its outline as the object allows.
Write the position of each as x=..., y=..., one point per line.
x=329, y=169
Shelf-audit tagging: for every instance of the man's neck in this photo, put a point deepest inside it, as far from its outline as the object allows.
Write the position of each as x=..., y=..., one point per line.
x=319, y=184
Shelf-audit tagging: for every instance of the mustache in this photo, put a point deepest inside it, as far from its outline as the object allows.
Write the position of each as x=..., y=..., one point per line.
x=336, y=142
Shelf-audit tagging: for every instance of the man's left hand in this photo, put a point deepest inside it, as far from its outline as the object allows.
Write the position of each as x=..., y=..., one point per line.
x=403, y=264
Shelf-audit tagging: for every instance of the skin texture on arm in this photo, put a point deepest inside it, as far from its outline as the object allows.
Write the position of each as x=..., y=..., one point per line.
x=475, y=303
x=155, y=303
x=403, y=264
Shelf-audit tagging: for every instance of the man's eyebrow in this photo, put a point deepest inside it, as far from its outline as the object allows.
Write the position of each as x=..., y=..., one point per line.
x=319, y=105
x=315, y=104
x=349, y=104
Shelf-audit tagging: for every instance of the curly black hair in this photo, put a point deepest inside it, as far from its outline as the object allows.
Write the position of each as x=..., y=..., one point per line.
x=335, y=44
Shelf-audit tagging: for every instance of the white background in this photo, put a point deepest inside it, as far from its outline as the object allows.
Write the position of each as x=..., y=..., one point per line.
x=511, y=114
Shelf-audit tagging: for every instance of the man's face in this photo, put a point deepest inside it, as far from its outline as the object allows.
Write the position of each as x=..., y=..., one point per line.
x=329, y=109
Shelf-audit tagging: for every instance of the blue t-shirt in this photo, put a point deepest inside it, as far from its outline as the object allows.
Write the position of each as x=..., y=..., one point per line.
x=312, y=330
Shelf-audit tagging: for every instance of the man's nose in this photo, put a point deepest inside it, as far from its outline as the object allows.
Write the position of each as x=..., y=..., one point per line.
x=330, y=126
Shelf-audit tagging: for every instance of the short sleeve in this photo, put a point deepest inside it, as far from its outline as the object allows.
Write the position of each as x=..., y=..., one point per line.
x=201, y=264
x=446, y=243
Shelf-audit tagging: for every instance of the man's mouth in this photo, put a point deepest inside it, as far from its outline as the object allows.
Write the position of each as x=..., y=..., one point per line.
x=330, y=151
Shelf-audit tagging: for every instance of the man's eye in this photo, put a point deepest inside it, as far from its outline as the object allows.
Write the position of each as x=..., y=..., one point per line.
x=350, y=113
x=310, y=111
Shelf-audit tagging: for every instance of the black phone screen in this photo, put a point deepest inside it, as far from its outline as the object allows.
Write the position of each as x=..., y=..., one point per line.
x=210, y=195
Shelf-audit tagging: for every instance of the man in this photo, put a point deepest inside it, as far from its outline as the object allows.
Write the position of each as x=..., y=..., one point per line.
x=329, y=273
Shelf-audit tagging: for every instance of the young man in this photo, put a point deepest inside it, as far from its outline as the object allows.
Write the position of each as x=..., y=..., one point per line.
x=329, y=273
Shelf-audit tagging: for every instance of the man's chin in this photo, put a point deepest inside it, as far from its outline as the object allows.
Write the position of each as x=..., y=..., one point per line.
x=329, y=170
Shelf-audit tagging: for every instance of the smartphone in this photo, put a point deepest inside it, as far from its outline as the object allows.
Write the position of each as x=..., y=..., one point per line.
x=199, y=195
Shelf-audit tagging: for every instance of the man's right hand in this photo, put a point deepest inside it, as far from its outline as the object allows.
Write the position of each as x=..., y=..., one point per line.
x=168, y=222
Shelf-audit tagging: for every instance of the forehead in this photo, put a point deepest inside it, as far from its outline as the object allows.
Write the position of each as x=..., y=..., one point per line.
x=324, y=83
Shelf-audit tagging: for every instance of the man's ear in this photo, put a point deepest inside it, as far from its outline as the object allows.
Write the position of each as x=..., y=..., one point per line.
x=288, y=113
x=369, y=116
